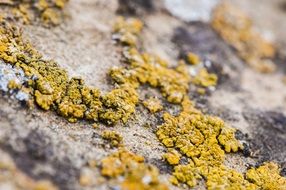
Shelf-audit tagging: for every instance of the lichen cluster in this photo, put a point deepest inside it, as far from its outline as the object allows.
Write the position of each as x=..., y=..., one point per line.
x=267, y=176
x=136, y=174
x=52, y=89
x=47, y=11
x=236, y=28
x=204, y=140
x=201, y=138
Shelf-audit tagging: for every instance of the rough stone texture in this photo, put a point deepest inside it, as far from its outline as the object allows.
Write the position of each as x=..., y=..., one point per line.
x=45, y=146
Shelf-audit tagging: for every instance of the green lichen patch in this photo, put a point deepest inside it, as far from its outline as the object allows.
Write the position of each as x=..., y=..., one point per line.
x=134, y=172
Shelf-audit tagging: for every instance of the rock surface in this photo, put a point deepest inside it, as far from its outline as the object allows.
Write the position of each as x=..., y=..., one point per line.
x=44, y=146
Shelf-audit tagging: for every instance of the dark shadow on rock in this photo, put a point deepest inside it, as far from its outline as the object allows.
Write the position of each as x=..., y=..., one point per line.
x=162, y=165
x=38, y=150
x=268, y=142
x=201, y=39
x=135, y=7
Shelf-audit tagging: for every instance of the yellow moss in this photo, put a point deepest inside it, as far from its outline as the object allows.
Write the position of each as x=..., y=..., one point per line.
x=21, y=11
x=172, y=157
x=136, y=174
x=50, y=16
x=267, y=177
x=193, y=59
x=114, y=138
x=201, y=138
x=153, y=105
x=236, y=29
x=185, y=174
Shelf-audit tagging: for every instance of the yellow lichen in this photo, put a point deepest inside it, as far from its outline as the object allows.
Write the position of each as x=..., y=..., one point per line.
x=204, y=78
x=149, y=69
x=127, y=30
x=136, y=174
x=237, y=29
x=193, y=59
x=172, y=157
x=153, y=105
x=14, y=85
x=267, y=177
x=52, y=89
x=228, y=141
x=48, y=11
x=203, y=139
x=120, y=104
x=114, y=138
